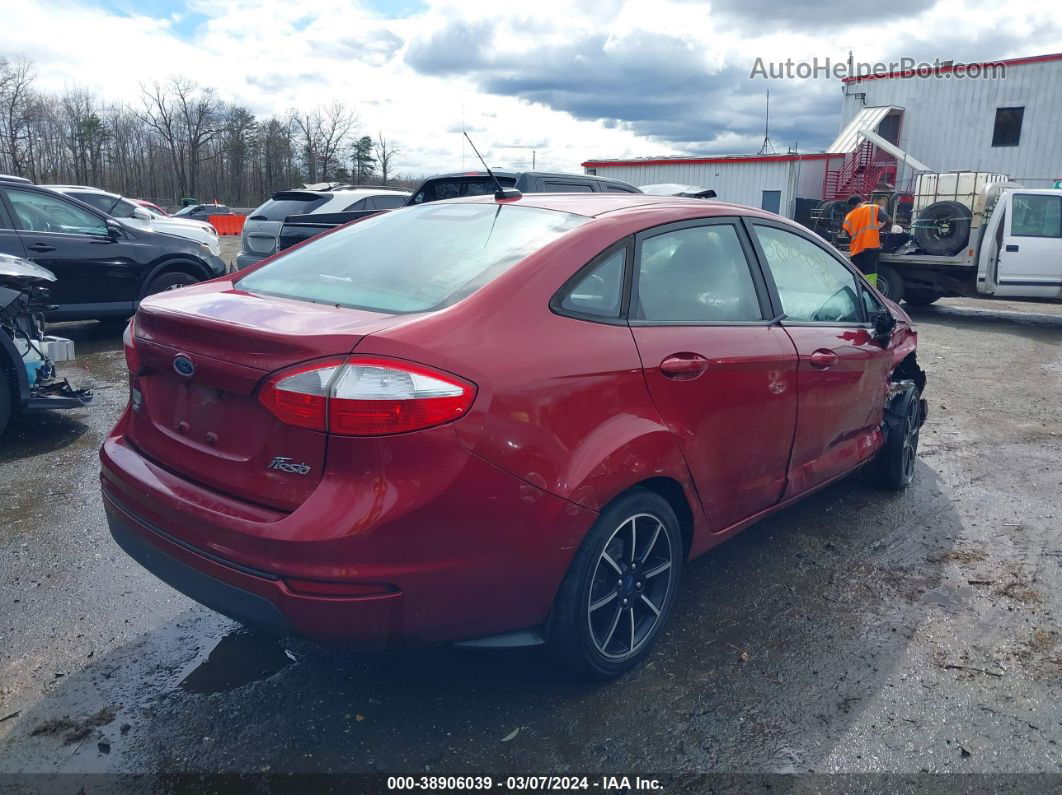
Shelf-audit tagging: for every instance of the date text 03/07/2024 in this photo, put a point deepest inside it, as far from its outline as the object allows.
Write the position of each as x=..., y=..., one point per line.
x=521, y=783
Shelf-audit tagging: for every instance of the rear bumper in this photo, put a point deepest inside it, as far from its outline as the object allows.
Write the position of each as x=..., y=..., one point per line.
x=254, y=598
x=468, y=549
x=245, y=260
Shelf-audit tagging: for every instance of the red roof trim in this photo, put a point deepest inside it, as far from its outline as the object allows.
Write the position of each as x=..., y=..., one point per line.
x=682, y=161
x=983, y=65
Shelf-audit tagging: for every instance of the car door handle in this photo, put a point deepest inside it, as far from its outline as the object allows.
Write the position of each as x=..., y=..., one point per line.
x=1012, y=247
x=683, y=366
x=41, y=247
x=823, y=359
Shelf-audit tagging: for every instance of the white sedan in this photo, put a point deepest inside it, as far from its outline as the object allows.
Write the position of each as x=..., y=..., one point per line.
x=141, y=217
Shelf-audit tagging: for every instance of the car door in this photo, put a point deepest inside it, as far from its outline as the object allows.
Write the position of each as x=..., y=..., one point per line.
x=74, y=243
x=10, y=242
x=1030, y=257
x=843, y=369
x=722, y=375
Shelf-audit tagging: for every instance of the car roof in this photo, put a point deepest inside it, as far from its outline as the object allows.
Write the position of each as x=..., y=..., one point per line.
x=13, y=178
x=79, y=189
x=596, y=204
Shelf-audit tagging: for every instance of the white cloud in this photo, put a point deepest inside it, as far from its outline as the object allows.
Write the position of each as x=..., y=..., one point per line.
x=271, y=55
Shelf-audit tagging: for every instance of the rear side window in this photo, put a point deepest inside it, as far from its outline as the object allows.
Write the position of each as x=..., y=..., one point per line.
x=283, y=205
x=696, y=274
x=388, y=202
x=566, y=187
x=600, y=291
x=459, y=186
x=616, y=189
x=420, y=259
x=813, y=286
x=361, y=204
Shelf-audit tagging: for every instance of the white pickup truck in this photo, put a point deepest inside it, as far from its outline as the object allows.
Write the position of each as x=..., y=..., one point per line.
x=1014, y=251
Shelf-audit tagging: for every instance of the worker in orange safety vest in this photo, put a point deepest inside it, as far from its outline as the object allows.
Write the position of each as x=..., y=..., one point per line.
x=862, y=224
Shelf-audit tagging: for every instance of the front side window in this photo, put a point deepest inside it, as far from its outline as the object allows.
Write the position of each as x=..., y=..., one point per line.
x=600, y=291
x=416, y=260
x=1036, y=216
x=37, y=212
x=101, y=201
x=696, y=274
x=813, y=286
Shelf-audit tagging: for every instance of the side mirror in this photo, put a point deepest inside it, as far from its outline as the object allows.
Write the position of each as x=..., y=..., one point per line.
x=141, y=215
x=114, y=229
x=884, y=323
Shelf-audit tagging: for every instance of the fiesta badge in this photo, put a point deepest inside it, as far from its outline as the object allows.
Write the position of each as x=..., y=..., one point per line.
x=184, y=366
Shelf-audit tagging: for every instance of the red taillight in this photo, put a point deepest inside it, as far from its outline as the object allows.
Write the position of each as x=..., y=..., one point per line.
x=366, y=396
x=132, y=357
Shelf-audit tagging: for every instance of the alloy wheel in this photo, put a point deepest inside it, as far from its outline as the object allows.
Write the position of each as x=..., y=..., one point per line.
x=630, y=586
x=911, y=430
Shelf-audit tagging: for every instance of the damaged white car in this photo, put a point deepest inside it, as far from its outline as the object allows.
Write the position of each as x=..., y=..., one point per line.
x=28, y=378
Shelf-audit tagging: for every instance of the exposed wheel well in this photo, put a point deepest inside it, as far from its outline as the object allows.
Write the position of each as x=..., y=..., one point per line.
x=908, y=369
x=671, y=490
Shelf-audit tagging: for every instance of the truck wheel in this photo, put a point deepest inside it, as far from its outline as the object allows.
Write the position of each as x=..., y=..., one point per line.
x=620, y=588
x=7, y=398
x=890, y=283
x=943, y=228
x=916, y=298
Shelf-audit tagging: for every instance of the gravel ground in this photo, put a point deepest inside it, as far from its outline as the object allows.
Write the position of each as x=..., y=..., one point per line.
x=859, y=631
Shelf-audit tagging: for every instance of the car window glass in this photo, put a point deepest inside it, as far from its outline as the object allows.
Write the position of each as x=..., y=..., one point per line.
x=388, y=202
x=123, y=209
x=478, y=188
x=614, y=189
x=101, y=201
x=813, y=286
x=445, y=190
x=565, y=187
x=1036, y=216
x=696, y=274
x=870, y=303
x=417, y=260
x=39, y=212
x=283, y=205
x=600, y=290
x=361, y=204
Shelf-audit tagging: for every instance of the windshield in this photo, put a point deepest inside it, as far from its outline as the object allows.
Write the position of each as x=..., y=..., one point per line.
x=411, y=260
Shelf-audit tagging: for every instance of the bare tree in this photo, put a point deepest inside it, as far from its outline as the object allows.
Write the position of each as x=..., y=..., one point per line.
x=187, y=118
x=324, y=132
x=16, y=100
x=385, y=154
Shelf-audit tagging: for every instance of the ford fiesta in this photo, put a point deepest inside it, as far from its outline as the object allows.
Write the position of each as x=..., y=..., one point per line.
x=501, y=421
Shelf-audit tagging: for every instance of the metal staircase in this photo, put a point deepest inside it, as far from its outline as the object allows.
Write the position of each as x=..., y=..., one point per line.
x=862, y=170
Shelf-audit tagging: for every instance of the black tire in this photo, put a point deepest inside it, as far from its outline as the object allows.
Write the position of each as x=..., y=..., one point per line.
x=943, y=228
x=916, y=298
x=832, y=215
x=7, y=398
x=890, y=283
x=894, y=466
x=172, y=280
x=584, y=631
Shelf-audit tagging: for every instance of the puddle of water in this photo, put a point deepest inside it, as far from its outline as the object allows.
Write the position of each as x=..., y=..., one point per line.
x=237, y=660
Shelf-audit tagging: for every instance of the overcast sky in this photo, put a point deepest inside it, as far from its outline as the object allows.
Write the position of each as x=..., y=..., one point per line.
x=572, y=80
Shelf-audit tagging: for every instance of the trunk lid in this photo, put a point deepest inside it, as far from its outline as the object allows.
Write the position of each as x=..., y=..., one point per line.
x=204, y=354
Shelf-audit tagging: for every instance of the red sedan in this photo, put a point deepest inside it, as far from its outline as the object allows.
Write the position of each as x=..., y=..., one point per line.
x=500, y=421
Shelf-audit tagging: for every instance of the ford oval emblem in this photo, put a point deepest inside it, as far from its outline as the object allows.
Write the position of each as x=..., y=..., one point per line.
x=184, y=366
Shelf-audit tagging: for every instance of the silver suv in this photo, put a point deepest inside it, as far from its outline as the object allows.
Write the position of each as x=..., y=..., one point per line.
x=261, y=228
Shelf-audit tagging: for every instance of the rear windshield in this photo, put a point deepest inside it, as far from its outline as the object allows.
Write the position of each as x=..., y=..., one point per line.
x=411, y=260
x=455, y=187
x=280, y=207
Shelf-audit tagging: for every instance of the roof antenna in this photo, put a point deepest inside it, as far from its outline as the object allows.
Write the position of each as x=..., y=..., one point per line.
x=501, y=193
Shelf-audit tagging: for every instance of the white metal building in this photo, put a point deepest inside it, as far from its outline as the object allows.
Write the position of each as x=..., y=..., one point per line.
x=772, y=182
x=1008, y=123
